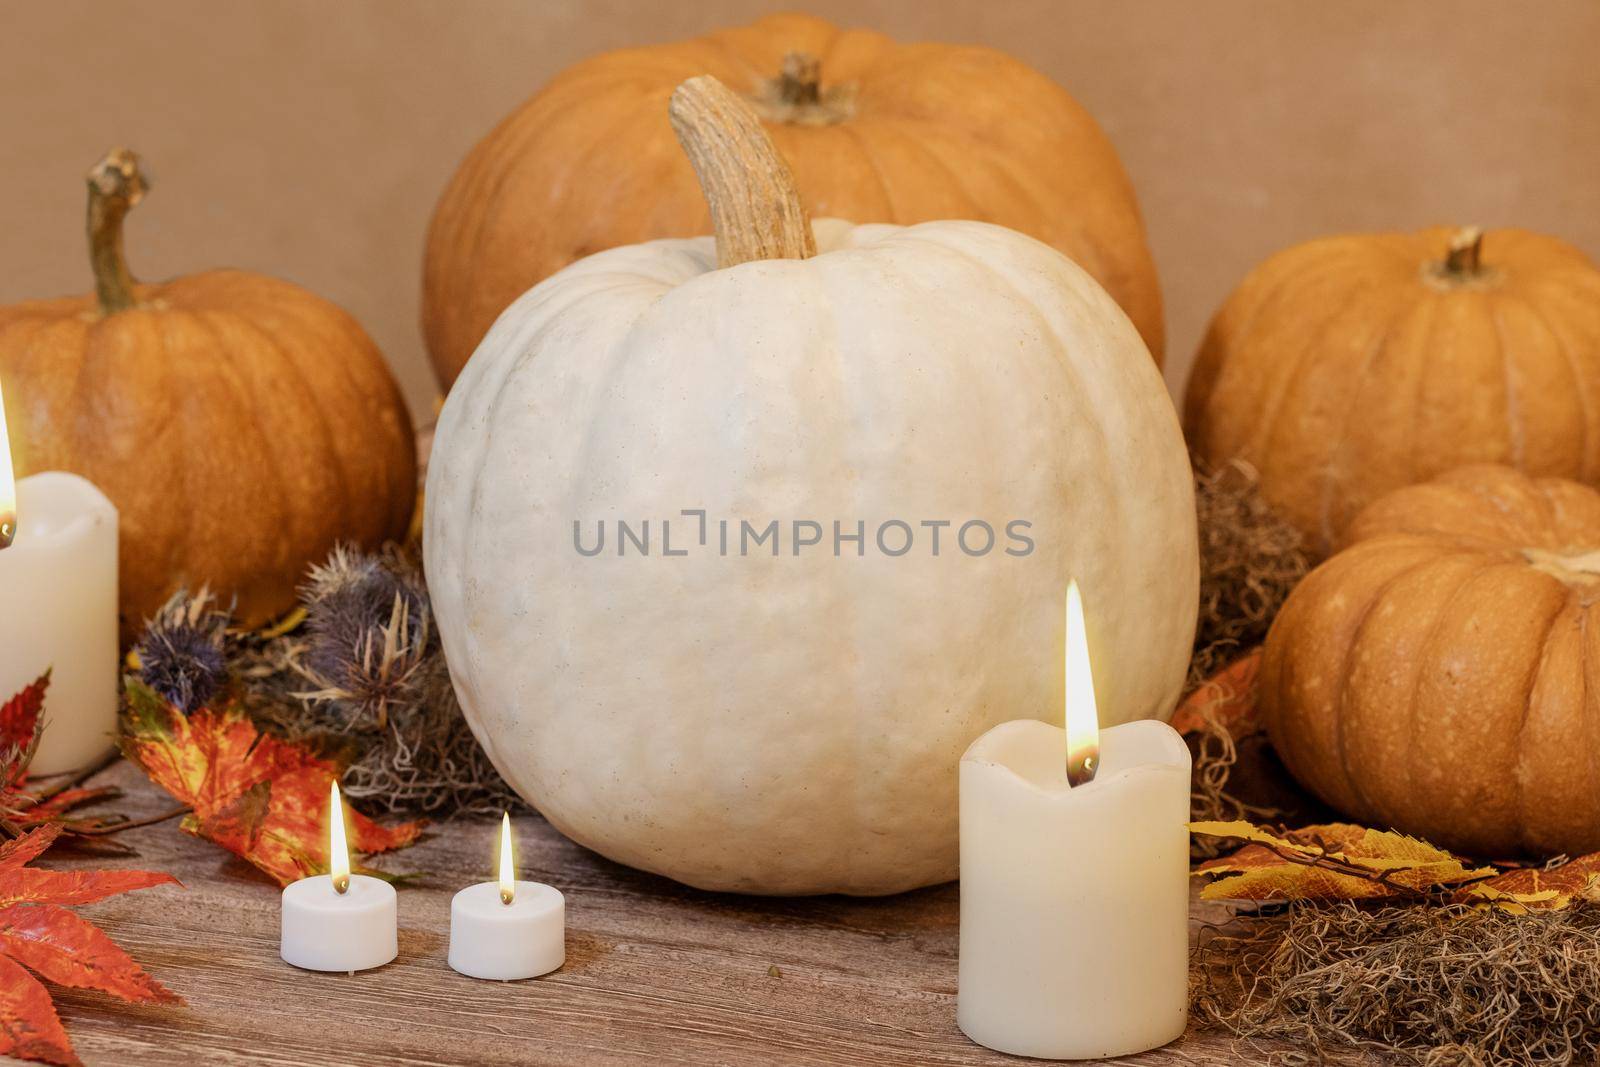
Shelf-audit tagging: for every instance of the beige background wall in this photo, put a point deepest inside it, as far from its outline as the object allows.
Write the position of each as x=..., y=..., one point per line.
x=310, y=138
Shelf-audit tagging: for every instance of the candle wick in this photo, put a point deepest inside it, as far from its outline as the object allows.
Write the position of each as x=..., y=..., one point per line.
x=1081, y=769
x=507, y=895
x=341, y=883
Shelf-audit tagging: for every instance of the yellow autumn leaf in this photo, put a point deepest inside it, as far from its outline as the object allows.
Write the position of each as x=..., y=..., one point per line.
x=1410, y=861
x=1333, y=861
x=1485, y=895
x=1286, y=881
x=1244, y=831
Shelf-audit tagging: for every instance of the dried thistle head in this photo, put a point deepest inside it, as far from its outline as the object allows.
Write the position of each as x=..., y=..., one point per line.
x=183, y=654
x=383, y=687
x=369, y=633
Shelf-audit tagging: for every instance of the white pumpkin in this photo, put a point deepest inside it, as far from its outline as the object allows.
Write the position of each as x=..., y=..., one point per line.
x=792, y=723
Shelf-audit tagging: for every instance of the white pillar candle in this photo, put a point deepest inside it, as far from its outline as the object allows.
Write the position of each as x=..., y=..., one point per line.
x=1074, y=897
x=58, y=582
x=339, y=921
x=507, y=929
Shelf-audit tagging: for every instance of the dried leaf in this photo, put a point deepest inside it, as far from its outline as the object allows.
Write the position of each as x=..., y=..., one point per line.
x=258, y=796
x=73, y=887
x=22, y=723
x=30, y=1029
x=1333, y=861
x=1227, y=700
x=37, y=809
x=39, y=935
x=1526, y=889
x=1244, y=831
x=19, y=716
x=27, y=848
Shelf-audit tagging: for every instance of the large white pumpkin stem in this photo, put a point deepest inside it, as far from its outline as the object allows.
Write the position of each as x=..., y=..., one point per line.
x=755, y=206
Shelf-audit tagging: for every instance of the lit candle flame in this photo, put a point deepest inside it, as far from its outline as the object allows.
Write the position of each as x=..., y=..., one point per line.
x=338, y=851
x=8, y=484
x=1083, y=719
x=508, y=867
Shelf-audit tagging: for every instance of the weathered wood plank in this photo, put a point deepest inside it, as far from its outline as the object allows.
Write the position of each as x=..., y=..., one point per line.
x=654, y=970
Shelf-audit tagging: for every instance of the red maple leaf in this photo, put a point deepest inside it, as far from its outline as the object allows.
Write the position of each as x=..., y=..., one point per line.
x=258, y=796
x=21, y=725
x=39, y=938
x=19, y=716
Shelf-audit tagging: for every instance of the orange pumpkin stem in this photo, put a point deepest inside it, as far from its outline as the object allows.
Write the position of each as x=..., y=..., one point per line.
x=796, y=97
x=115, y=185
x=755, y=205
x=1466, y=251
x=800, y=83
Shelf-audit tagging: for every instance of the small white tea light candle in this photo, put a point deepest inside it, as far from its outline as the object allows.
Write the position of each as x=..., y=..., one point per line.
x=508, y=929
x=1074, y=880
x=339, y=921
x=58, y=580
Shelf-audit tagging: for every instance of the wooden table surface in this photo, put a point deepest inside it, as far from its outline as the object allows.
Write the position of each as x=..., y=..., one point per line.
x=653, y=970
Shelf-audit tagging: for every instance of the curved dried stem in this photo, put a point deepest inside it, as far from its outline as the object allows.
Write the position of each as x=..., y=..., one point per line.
x=755, y=205
x=116, y=184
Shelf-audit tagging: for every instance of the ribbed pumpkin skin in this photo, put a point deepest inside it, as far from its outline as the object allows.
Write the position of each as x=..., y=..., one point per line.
x=241, y=425
x=1441, y=675
x=1349, y=366
x=937, y=131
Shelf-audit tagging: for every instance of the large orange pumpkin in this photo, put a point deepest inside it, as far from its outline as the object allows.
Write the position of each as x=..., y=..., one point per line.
x=1349, y=366
x=240, y=424
x=875, y=131
x=1441, y=675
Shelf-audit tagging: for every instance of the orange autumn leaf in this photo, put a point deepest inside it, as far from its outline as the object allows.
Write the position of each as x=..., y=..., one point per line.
x=258, y=796
x=39, y=938
x=1334, y=861
x=1227, y=699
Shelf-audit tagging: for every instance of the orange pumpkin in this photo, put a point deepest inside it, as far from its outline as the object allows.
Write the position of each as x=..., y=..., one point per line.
x=875, y=131
x=240, y=424
x=1349, y=366
x=1441, y=675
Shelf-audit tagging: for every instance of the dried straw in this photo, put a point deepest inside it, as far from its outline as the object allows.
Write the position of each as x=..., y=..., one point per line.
x=1250, y=559
x=1216, y=753
x=1425, y=984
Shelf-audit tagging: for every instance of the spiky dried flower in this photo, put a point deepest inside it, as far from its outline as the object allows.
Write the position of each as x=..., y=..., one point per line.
x=183, y=653
x=367, y=664
x=369, y=636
